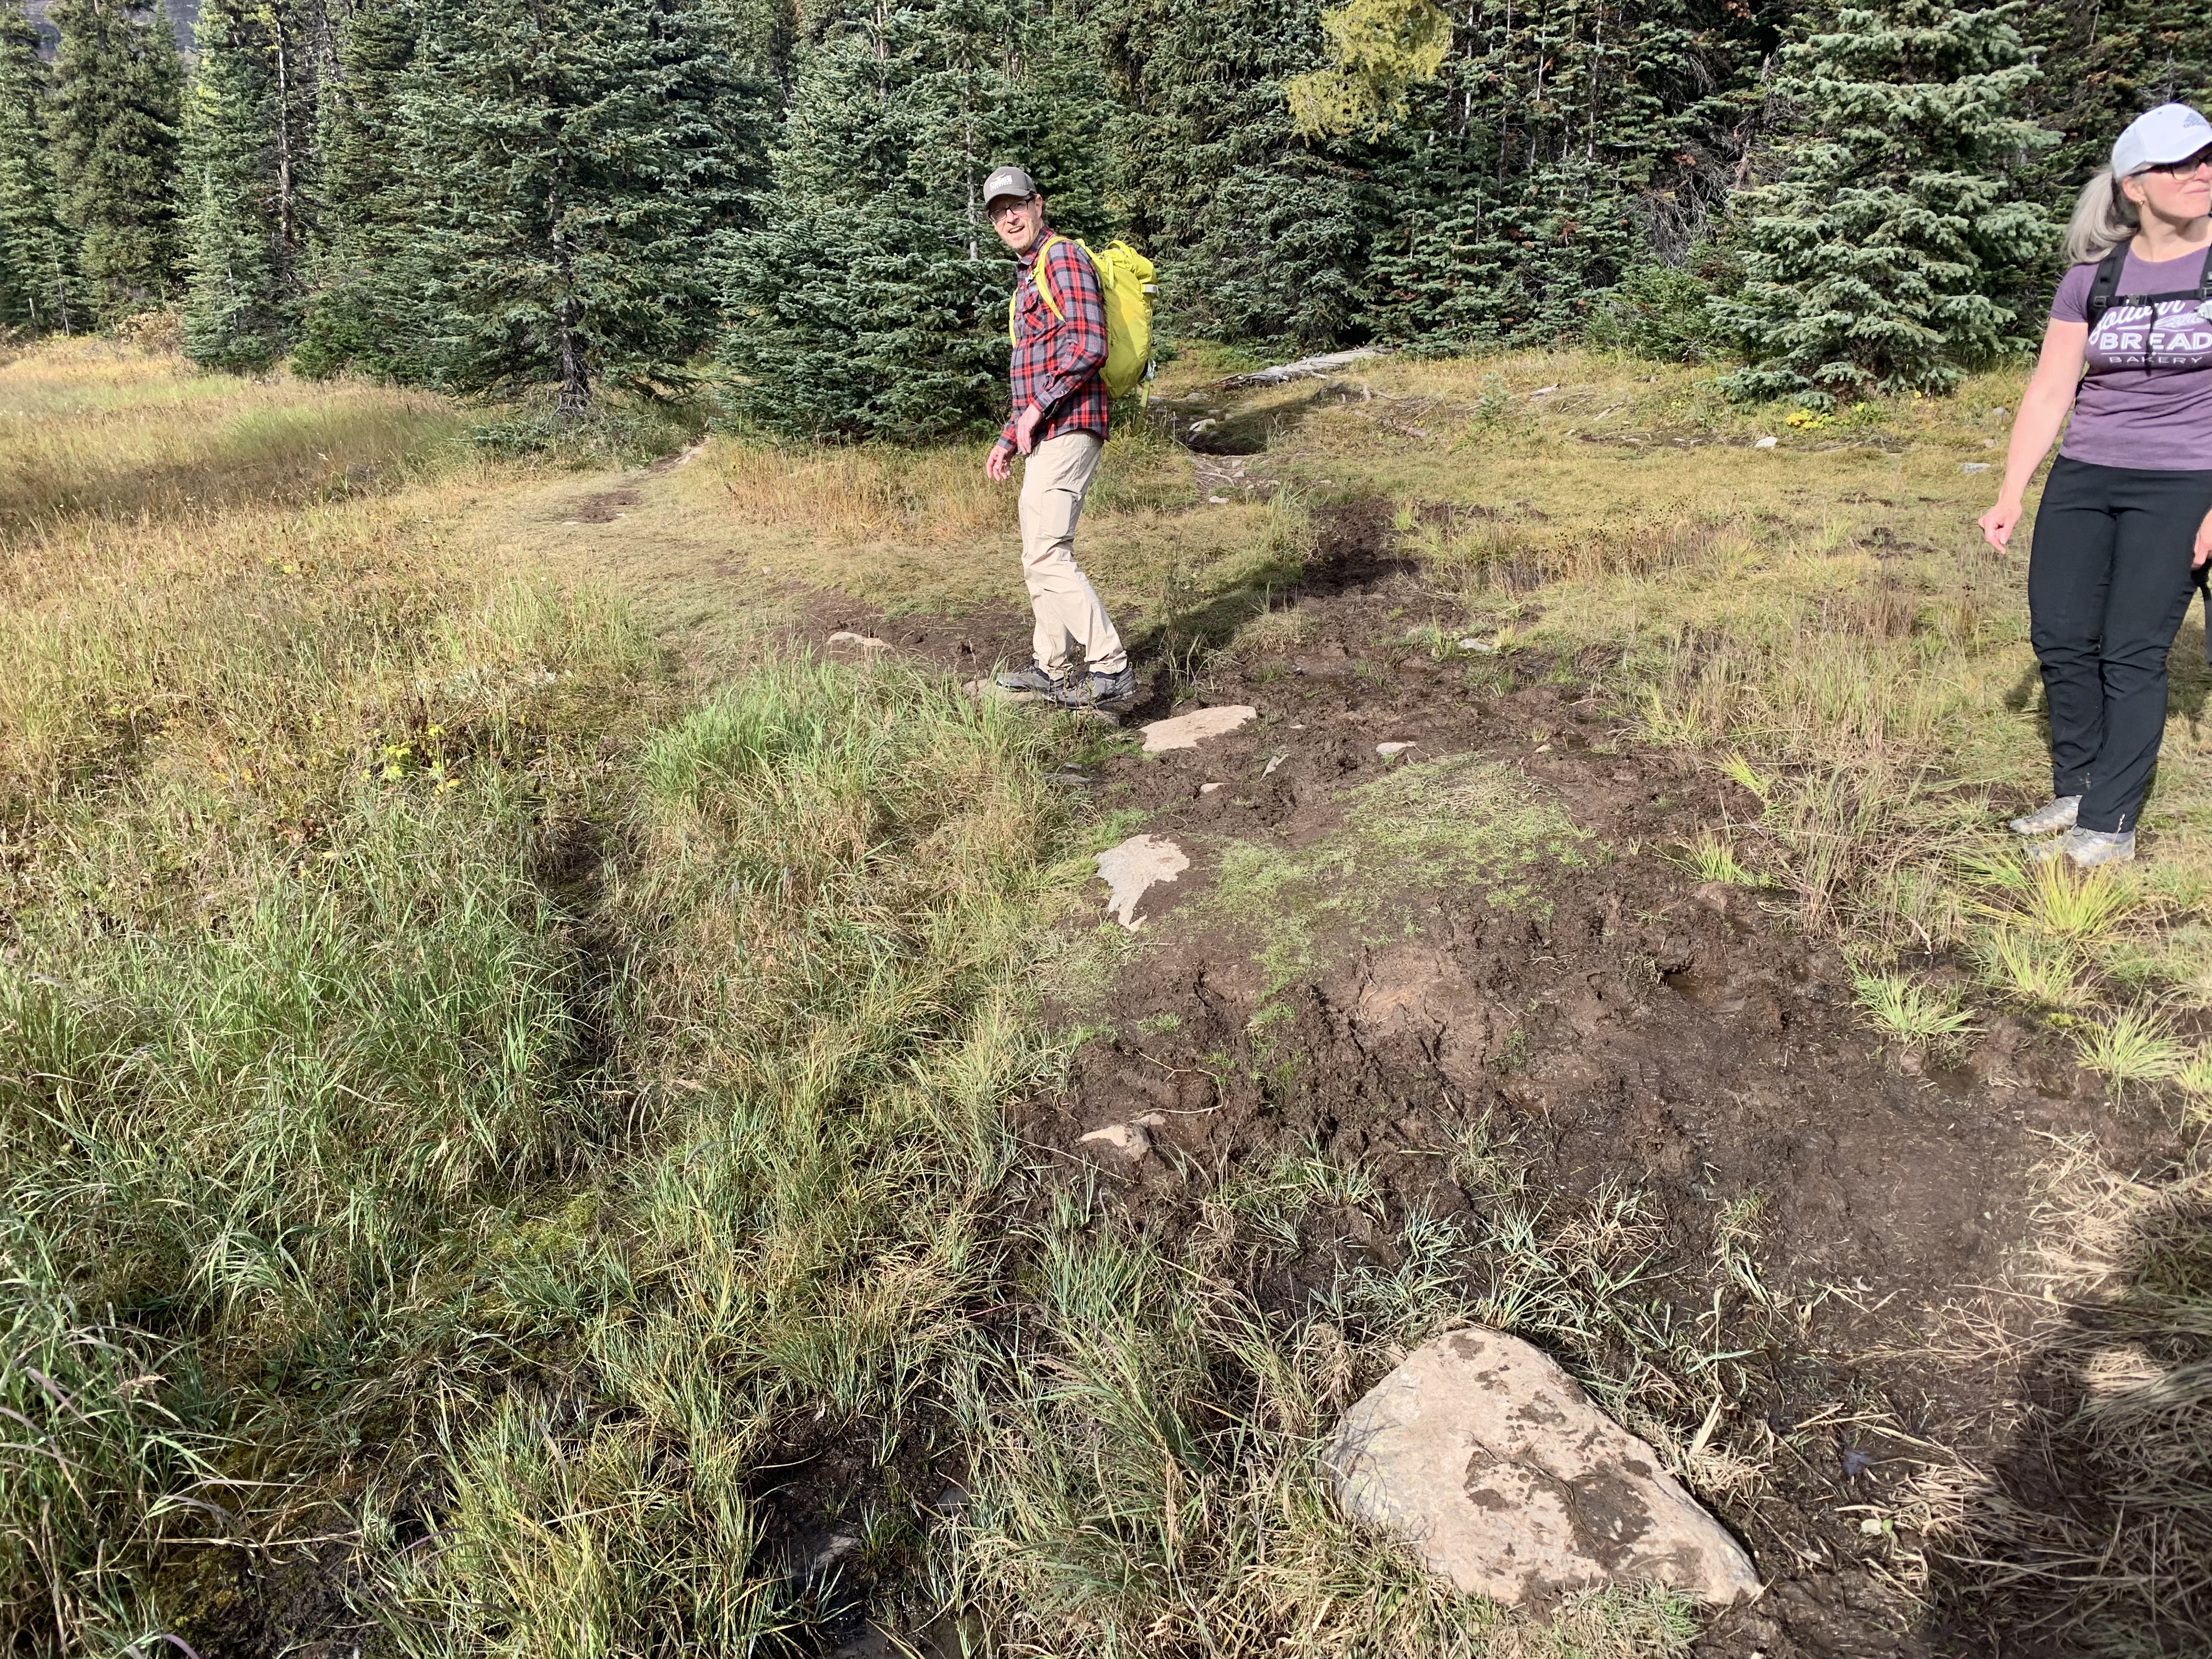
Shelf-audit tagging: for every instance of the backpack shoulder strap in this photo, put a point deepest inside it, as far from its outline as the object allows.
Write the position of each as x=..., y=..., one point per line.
x=2106, y=283
x=1044, y=292
x=1043, y=288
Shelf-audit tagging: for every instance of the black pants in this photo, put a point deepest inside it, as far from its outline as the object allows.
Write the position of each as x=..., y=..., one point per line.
x=2108, y=583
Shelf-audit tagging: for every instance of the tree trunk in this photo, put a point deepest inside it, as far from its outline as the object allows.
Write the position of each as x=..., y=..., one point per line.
x=575, y=384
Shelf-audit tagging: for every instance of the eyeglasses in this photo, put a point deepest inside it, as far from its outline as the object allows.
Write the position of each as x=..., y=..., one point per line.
x=2183, y=169
x=1006, y=208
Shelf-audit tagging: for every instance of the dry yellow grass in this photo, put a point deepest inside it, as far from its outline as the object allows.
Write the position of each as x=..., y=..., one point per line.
x=93, y=426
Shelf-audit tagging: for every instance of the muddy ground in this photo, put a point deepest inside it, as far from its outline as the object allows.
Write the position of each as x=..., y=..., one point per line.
x=1636, y=1027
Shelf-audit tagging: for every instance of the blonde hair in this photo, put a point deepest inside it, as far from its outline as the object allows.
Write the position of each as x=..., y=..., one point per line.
x=2103, y=218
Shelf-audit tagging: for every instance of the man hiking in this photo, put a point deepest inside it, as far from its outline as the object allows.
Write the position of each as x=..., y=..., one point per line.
x=1059, y=422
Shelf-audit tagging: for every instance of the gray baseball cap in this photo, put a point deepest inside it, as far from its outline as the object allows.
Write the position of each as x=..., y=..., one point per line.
x=1007, y=181
x=2170, y=133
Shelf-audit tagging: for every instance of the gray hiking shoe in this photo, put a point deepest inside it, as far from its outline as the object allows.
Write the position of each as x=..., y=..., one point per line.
x=2085, y=850
x=2049, y=818
x=1035, y=680
x=1097, y=690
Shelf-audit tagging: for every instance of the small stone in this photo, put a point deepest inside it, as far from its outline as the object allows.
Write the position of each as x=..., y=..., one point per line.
x=1152, y=1121
x=1208, y=788
x=1269, y=771
x=1122, y=1139
x=1133, y=869
x=1471, y=643
x=1762, y=443
x=1217, y=501
x=1392, y=751
x=1188, y=731
x=1974, y=466
x=867, y=642
x=1714, y=895
x=1494, y=1465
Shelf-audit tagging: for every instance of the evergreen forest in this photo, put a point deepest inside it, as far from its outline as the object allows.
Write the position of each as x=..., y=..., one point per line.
x=775, y=206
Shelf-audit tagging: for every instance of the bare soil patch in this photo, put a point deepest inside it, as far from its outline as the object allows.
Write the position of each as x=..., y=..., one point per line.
x=1624, y=1025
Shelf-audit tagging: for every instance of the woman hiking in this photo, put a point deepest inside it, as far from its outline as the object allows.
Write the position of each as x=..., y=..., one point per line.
x=2127, y=511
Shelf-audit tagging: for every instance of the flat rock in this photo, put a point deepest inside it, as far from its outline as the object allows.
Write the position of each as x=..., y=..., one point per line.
x=1494, y=1463
x=1123, y=1139
x=867, y=642
x=1133, y=869
x=1392, y=751
x=1188, y=731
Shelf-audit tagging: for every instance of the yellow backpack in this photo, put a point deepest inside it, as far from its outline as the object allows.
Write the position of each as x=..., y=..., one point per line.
x=1125, y=282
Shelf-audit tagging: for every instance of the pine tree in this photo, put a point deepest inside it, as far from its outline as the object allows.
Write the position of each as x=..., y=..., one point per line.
x=1884, y=257
x=118, y=86
x=872, y=301
x=577, y=172
x=37, y=273
x=248, y=162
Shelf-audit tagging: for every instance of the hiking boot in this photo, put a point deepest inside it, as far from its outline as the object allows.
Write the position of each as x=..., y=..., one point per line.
x=2085, y=850
x=1036, y=679
x=2049, y=818
x=1096, y=690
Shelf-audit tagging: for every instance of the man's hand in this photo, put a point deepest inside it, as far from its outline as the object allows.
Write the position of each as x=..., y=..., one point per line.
x=2203, y=542
x=1025, y=428
x=1001, y=463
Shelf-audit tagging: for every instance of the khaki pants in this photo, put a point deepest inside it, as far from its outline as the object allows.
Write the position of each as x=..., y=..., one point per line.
x=1073, y=632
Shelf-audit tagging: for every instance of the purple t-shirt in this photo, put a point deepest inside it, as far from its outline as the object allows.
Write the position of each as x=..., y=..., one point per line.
x=2145, y=395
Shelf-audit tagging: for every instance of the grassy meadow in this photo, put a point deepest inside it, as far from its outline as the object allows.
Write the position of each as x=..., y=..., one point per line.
x=501, y=1056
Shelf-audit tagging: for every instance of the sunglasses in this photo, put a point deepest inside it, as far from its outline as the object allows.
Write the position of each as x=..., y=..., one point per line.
x=2183, y=169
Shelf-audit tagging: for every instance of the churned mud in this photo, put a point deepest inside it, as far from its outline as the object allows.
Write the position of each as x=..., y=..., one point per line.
x=1539, y=973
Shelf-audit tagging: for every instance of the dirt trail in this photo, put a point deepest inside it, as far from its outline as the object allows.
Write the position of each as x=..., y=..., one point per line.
x=1619, y=1026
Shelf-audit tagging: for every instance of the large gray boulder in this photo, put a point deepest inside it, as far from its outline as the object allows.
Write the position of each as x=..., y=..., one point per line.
x=1494, y=1463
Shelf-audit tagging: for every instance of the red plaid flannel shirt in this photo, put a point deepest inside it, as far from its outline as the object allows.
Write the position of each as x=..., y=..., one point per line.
x=1057, y=360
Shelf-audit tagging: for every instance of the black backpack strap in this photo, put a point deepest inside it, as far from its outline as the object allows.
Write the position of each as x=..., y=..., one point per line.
x=2106, y=283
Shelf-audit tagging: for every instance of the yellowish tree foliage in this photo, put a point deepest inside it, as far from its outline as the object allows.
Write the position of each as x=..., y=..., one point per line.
x=1382, y=47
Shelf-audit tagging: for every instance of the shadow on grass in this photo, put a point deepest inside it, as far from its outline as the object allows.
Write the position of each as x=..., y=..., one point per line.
x=2093, y=1532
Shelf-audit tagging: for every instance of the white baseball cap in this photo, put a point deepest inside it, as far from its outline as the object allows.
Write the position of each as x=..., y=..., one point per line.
x=2172, y=132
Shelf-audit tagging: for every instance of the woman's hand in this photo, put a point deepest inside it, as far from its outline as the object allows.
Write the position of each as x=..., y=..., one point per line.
x=1997, y=526
x=2203, y=542
x=2042, y=409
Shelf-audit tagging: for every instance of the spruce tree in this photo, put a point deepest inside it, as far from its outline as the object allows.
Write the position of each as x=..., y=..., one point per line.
x=248, y=163
x=572, y=156
x=115, y=115
x=1887, y=255
x=872, y=301
x=1259, y=232
x=1559, y=150
x=37, y=266
x=2105, y=62
x=368, y=308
